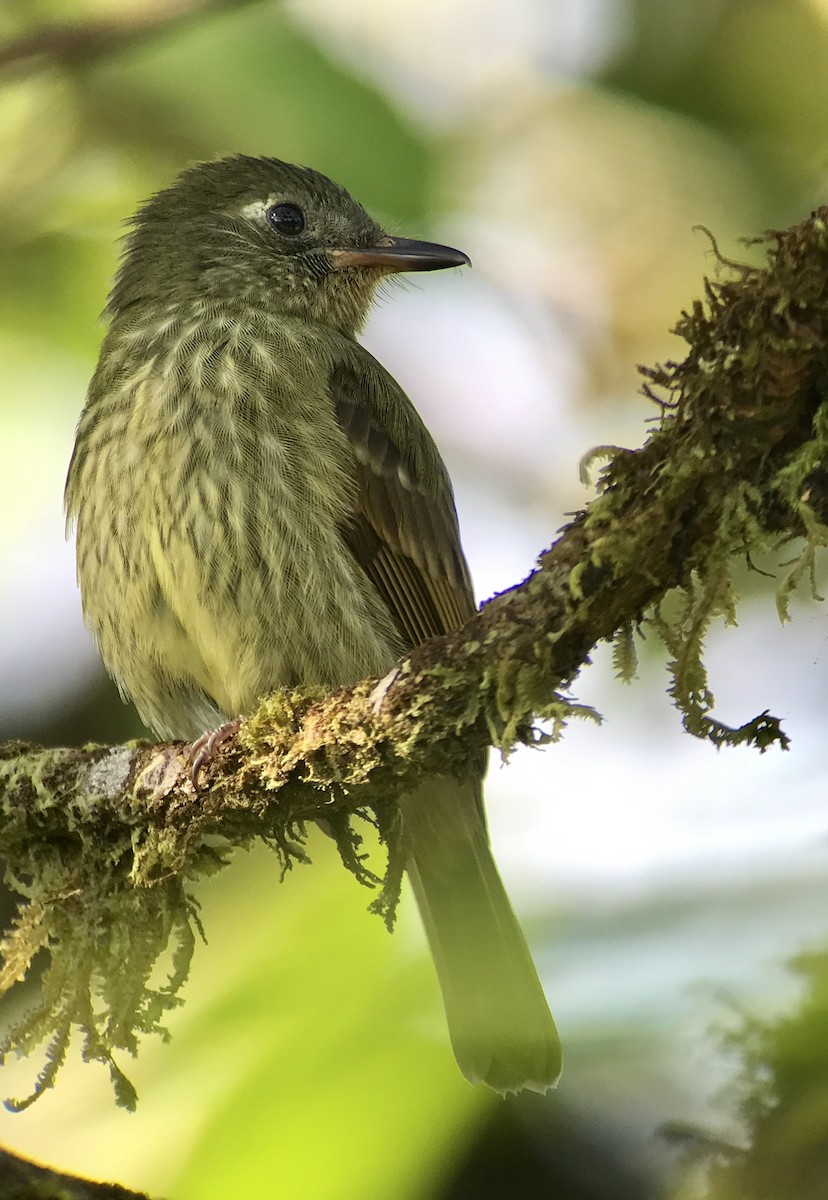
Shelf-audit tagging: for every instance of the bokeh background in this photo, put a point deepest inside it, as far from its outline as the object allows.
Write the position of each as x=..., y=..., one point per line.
x=570, y=147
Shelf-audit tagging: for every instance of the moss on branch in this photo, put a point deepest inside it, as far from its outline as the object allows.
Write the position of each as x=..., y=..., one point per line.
x=105, y=844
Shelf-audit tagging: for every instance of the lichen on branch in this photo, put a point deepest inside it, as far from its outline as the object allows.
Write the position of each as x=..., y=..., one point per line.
x=105, y=845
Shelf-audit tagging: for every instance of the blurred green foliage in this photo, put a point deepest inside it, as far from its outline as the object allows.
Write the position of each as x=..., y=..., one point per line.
x=334, y=1090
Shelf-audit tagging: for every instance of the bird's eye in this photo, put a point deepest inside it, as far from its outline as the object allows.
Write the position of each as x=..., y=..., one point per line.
x=286, y=218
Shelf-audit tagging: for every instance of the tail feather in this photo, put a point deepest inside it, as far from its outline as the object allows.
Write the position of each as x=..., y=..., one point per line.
x=501, y=1029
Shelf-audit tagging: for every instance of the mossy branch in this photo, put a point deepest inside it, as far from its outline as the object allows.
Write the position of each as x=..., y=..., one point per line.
x=104, y=844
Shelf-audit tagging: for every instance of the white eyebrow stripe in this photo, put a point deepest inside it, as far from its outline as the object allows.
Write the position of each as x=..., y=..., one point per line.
x=257, y=208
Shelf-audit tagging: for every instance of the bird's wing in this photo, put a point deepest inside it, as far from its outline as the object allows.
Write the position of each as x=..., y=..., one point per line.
x=403, y=531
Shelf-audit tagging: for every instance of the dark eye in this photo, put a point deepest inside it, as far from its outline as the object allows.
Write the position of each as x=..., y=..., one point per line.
x=286, y=218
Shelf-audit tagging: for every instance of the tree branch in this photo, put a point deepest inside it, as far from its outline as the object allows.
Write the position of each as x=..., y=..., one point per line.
x=73, y=44
x=21, y=1179
x=113, y=837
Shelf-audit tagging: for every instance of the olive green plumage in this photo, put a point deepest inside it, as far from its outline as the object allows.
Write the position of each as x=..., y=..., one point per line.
x=258, y=505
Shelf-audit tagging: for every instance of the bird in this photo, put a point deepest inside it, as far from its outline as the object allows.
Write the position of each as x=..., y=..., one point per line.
x=257, y=504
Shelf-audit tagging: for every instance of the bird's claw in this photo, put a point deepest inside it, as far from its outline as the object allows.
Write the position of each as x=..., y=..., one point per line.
x=204, y=748
x=377, y=697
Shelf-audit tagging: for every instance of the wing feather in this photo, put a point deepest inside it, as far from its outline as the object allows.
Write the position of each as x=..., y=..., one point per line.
x=403, y=531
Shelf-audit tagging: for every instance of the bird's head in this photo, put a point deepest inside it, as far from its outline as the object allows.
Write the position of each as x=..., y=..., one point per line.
x=260, y=232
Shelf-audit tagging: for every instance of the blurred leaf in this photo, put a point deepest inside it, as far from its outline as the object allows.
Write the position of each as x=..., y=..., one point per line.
x=313, y=1021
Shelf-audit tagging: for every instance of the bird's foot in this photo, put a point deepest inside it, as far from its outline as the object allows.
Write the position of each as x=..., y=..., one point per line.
x=204, y=748
x=377, y=697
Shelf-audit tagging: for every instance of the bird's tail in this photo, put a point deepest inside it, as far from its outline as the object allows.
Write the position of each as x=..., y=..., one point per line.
x=499, y=1022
